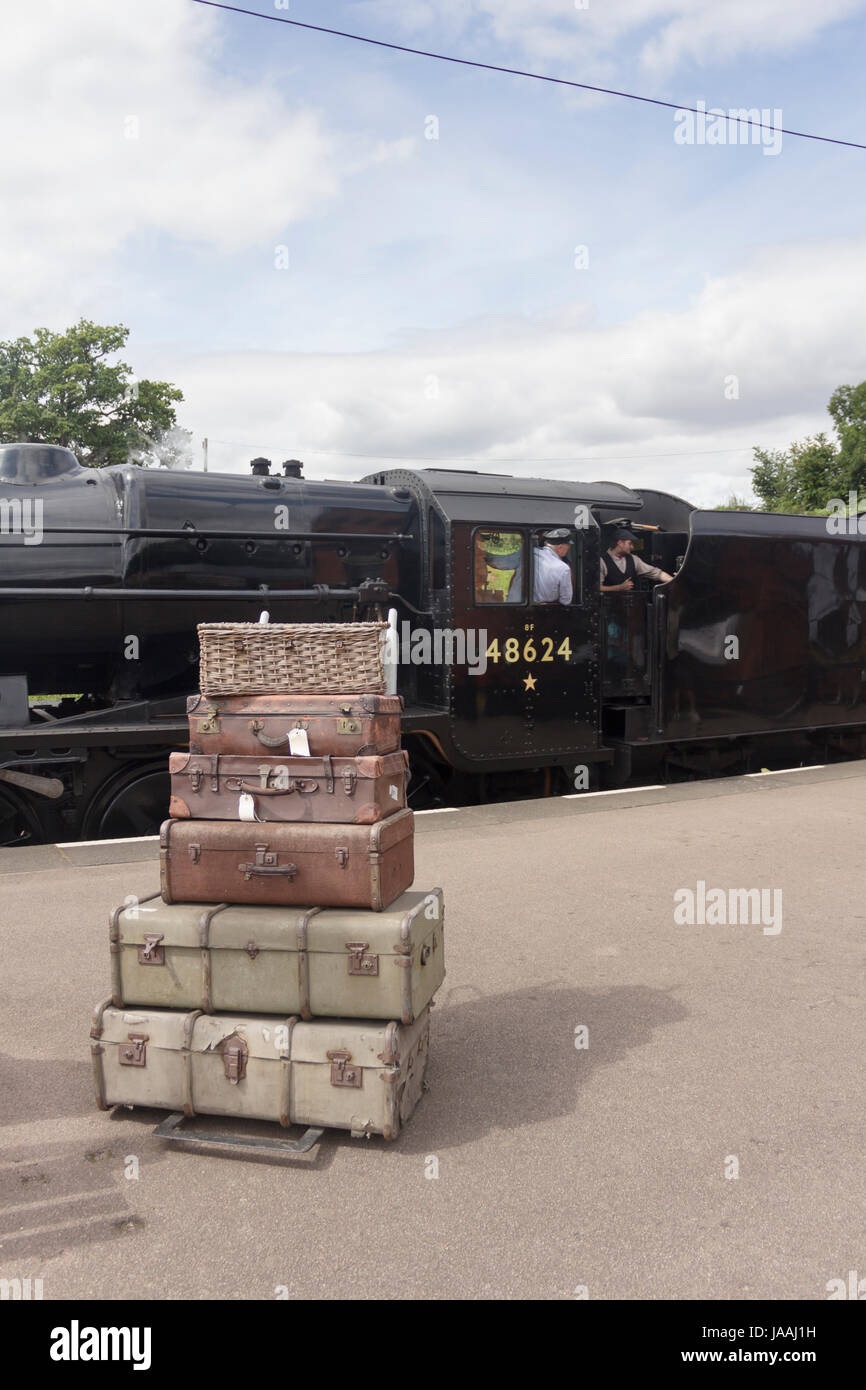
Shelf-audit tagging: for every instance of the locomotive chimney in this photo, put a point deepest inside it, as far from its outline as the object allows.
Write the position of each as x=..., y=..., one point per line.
x=261, y=468
x=292, y=468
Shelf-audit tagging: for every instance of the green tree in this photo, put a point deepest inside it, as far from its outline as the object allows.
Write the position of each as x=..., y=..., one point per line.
x=734, y=504
x=61, y=388
x=848, y=409
x=806, y=476
x=772, y=479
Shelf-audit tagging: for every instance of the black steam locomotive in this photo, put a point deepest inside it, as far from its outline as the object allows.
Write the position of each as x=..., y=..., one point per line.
x=754, y=650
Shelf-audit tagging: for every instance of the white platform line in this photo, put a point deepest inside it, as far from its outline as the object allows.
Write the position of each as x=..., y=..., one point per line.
x=786, y=771
x=130, y=840
x=616, y=791
x=450, y=810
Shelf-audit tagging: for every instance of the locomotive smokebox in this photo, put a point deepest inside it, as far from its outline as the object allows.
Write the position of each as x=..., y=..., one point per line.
x=30, y=464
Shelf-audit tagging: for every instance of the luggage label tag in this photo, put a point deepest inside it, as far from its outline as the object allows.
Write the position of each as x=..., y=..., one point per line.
x=393, y=793
x=246, y=807
x=299, y=744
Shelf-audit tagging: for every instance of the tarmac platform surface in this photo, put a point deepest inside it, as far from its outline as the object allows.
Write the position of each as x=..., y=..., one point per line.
x=609, y=1168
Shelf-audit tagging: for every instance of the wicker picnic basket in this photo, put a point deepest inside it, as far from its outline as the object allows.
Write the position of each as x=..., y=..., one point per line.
x=297, y=658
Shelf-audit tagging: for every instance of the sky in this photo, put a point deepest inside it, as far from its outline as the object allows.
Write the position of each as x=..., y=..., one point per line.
x=359, y=257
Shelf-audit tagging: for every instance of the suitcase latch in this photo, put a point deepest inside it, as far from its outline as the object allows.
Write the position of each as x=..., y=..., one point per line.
x=342, y=857
x=252, y=949
x=195, y=853
x=349, y=780
x=211, y=725
x=235, y=1053
x=195, y=779
x=341, y=1073
x=151, y=953
x=362, y=961
x=348, y=726
x=134, y=1052
x=267, y=864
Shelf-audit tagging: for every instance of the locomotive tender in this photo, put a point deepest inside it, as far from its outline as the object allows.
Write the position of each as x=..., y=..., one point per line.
x=754, y=650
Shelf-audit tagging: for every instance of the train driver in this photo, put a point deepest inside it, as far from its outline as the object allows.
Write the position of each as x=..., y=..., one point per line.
x=553, y=581
x=619, y=568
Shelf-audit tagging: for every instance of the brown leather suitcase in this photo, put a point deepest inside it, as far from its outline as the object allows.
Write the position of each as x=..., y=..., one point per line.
x=210, y=861
x=353, y=791
x=344, y=726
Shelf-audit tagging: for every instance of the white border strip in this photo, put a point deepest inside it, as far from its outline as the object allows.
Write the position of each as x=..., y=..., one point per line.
x=785, y=771
x=617, y=791
x=450, y=810
x=130, y=840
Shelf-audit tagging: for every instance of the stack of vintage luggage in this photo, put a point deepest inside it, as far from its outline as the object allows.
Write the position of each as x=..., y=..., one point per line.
x=286, y=970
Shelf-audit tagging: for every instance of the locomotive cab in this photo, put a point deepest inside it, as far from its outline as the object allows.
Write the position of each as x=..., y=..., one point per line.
x=632, y=624
x=524, y=691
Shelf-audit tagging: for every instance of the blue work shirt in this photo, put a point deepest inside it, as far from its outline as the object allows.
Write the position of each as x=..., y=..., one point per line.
x=553, y=582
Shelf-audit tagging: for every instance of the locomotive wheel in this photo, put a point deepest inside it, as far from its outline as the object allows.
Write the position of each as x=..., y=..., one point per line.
x=133, y=803
x=19, y=822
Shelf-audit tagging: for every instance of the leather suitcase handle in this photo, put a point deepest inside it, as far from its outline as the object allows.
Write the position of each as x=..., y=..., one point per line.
x=256, y=727
x=296, y=784
x=249, y=871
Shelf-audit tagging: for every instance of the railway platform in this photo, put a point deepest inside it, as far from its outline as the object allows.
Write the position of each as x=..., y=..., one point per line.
x=629, y=1099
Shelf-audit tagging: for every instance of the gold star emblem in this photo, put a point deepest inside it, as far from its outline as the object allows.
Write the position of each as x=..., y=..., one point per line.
x=529, y=683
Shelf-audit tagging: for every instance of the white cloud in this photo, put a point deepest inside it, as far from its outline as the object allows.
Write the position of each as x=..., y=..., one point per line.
x=666, y=33
x=788, y=328
x=118, y=122
x=704, y=31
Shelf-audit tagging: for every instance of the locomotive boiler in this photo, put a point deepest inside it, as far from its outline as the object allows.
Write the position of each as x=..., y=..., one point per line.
x=754, y=650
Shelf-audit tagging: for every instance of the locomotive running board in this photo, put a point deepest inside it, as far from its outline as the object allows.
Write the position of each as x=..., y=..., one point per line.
x=169, y=1129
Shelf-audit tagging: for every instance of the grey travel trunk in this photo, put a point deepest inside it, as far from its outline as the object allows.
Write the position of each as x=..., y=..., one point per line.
x=362, y=1075
x=339, y=962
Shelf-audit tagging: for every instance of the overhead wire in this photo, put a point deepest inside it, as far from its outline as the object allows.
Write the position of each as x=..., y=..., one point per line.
x=538, y=77
x=518, y=72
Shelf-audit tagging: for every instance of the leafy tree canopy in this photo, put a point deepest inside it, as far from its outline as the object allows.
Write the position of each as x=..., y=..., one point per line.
x=60, y=388
x=809, y=474
x=734, y=504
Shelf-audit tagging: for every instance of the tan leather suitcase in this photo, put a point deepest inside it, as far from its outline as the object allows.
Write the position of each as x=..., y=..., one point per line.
x=361, y=1075
x=210, y=861
x=354, y=791
x=338, y=962
x=344, y=726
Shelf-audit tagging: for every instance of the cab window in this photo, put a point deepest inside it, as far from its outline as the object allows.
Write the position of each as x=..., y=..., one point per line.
x=544, y=571
x=499, y=559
